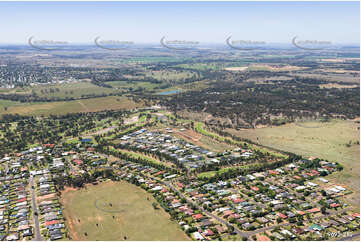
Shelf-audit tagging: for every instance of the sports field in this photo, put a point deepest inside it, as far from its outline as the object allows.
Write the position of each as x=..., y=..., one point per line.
x=134, y=216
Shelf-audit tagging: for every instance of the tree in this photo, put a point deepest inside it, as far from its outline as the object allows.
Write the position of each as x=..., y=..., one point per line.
x=155, y=205
x=323, y=210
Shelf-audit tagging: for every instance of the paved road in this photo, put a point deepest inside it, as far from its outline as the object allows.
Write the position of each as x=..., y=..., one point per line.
x=35, y=210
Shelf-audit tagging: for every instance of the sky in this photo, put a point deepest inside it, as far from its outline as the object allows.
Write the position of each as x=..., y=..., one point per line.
x=205, y=22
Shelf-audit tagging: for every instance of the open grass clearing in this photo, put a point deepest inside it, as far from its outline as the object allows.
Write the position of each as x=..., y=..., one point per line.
x=63, y=107
x=64, y=90
x=136, y=219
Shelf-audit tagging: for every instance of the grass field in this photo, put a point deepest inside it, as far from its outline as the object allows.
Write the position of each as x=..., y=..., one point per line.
x=74, y=90
x=322, y=140
x=83, y=105
x=135, y=217
x=124, y=85
x=200, y=127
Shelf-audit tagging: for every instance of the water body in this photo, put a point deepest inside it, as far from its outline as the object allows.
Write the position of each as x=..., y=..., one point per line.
x=169, y=92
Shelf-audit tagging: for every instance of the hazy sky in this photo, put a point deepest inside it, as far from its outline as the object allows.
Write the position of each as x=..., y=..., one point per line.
x=212, y=22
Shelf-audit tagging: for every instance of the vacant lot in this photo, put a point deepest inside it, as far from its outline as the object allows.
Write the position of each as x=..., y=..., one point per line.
x=323, y=140
x=134, y=216
x=83, y=105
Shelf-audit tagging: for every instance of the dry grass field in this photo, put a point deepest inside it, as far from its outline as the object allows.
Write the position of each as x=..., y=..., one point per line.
x=83, y=105
x=131, y=215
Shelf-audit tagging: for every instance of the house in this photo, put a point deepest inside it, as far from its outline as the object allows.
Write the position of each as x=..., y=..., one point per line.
x=262, y=220
x=220, y=229
x=246, y=226
x=316, y=227
x=325, y=225
x=300, y=188
x=314, y=210
x=261, y=237
x=283, y=216
x=287, y=233
x=208, y=232
x=323, y=180
x=334, y=205
x=78, y=162
x=197, y=236
x=197, y=216
x=278, y=236
x=237, y=200
x=27, y=232
x=298, y=230
x=227, y=213
x=206, y=223
x=254, y=188
x=47, y=223
x=11, y=237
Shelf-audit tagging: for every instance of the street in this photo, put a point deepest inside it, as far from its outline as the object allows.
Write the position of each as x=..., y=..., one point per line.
x=35, y=211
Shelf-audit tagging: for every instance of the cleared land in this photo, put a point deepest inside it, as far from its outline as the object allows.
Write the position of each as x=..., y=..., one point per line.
x=83, y=105
x=136, y=219
x=73, y=90
x=322, y=140
x=261, y=67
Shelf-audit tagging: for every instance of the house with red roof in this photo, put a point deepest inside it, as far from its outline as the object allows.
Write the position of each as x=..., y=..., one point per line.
x=21, y=200
x=47, y=223
x=208, y=232
x=261, y=237
x=283, y=216
x=48, y=145
x=256, y=189
x=180, y=185
x=334, y=205
x=227, y=213
x=301, y=212
x=78, y=162
x=23, y=169
x=272, y=172
x=197, y=216
x=314, y=210
x=237, y=200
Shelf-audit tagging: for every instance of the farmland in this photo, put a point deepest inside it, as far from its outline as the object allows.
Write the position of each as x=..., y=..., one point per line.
x=136, y=219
